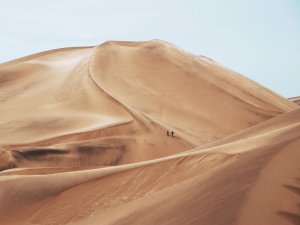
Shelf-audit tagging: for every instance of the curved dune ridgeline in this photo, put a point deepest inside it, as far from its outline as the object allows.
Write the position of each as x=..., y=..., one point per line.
x=295, y=99
x=83, y=140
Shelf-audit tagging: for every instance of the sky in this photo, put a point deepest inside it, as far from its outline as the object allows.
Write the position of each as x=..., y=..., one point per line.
x=257, y=38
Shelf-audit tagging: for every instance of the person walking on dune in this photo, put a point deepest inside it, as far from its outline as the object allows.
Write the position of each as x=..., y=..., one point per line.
x=172, y=134
x=168, y=133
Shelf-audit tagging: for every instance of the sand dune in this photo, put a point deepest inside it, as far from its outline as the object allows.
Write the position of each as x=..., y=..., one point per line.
x=295, y=99
x=83, y=140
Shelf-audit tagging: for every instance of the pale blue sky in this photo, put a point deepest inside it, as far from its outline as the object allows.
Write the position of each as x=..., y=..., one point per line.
x=258, y=38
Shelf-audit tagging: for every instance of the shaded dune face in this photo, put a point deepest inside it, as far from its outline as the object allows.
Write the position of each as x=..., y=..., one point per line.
x=83, y=140
x=200, y=99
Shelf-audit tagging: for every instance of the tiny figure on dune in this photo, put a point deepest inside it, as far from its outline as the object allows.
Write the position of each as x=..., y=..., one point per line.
x=168, y=133
x=172, y=133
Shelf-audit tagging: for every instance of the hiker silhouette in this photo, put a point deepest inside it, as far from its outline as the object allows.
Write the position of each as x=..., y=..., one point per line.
x=172, y=133
x=168, y=133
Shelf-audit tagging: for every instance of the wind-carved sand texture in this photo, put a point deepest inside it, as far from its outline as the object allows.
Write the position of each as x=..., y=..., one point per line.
x=83, y=140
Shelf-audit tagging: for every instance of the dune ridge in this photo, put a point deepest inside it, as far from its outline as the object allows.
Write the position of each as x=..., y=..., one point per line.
x=295, y=99
x=83, y=140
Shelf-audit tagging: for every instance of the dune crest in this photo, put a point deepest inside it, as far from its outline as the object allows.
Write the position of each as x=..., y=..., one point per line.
x=295, y=99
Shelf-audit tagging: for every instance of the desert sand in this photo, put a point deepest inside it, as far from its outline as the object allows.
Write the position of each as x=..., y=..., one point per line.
x=83, y=140
x=295, y=99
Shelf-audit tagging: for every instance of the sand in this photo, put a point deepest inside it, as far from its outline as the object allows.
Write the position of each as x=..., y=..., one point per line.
x=295, y=99
x=83, y=140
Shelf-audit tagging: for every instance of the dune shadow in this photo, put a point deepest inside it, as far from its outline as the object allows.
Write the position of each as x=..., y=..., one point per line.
x=32, y=153
x=294, y=189
x=291, y=217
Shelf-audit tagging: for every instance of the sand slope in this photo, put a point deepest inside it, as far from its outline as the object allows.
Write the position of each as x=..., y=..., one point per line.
x=112, y=104
x=85, y=130
x=295, y=99
x=256, y=185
